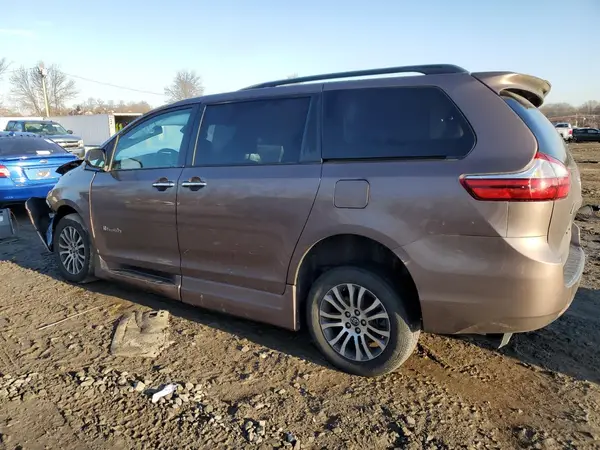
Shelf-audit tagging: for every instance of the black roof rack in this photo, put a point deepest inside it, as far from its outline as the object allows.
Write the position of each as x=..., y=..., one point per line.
x=427, y=69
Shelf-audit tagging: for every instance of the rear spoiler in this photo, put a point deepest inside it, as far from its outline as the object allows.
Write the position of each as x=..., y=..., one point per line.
x=532, y=88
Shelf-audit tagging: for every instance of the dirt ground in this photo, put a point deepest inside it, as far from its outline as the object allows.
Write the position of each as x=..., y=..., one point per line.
x=246, y=385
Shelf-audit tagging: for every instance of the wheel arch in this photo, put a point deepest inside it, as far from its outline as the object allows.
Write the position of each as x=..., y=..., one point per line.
x=63, y=209
x=359, y=250
x=87, y=272
x=60, y=211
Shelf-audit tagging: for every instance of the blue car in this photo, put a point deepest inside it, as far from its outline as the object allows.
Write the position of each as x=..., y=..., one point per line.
x=28, y=164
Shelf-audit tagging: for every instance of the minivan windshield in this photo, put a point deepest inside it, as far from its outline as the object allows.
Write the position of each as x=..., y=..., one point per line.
x=45, y=128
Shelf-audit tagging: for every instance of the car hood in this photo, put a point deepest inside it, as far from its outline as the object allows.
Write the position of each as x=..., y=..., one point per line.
x=62, y=137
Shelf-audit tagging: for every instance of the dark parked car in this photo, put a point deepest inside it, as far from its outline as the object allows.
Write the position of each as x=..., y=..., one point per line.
x=586, y=135
x=51, y=130
x=28, y=165
x=366, y=210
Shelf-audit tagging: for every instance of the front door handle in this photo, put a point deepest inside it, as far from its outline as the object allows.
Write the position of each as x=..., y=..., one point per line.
x=193, y=184
x=162, y=184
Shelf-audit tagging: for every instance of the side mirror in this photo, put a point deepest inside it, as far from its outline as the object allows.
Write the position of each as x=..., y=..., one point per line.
x=95, y=158
x=70, y=131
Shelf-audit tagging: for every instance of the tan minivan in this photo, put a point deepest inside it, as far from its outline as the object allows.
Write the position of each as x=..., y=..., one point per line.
x=365, y=209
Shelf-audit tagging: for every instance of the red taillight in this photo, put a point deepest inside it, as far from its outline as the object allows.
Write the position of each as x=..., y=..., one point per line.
x=4, y=172
x=545, y=180
x=570, y=131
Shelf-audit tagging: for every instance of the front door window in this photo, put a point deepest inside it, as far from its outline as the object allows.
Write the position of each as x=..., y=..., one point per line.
x=153, y=144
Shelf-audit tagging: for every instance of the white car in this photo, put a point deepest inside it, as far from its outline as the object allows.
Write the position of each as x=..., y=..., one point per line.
x=565, y=130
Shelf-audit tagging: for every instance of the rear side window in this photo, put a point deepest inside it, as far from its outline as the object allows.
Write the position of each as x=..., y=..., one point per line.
x=549, y=141
x=397, y=122
x=26, y=146
x=270, y=131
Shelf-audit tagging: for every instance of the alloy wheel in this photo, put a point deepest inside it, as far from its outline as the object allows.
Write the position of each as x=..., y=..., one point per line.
x=71, y=249
x=354, y=322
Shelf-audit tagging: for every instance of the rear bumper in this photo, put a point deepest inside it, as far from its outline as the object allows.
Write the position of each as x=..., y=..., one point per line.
x=18, y=194
x=480, y=285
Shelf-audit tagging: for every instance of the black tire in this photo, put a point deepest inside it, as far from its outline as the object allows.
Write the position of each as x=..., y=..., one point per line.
x=86, y=274
x=404, y=331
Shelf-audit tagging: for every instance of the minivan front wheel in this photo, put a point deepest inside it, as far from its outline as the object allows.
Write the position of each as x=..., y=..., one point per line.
x=359, y=321
x=72, y=249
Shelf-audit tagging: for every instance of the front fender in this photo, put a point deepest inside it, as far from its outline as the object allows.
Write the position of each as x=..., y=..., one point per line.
x=73, y=192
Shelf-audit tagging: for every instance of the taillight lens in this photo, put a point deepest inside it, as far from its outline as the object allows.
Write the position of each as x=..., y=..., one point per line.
x=570, y=131
x=4, y=172
x=546, y=179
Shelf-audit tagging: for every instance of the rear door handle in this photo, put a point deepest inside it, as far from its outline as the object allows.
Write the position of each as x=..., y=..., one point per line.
x=193, y=184
x=162, y=184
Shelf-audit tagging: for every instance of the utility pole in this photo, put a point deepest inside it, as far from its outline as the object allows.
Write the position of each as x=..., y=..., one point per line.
x=43, y=73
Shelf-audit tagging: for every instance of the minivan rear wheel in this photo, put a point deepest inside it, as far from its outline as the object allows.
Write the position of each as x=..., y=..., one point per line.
x=359, y=321
x=73, y=250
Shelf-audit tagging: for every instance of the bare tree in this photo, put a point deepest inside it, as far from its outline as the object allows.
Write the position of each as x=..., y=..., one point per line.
x=89, y=105
x=557, y=109
x=99, y=106
x=589, y=107
x=584, y=115
x=140, y=107
x=186, y=84
x=29, y=95
x=3, y=66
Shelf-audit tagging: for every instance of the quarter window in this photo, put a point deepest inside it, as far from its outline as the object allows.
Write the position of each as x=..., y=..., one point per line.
x=14, y=126
x=155, y=143
x=397, y=122
x=268, y=131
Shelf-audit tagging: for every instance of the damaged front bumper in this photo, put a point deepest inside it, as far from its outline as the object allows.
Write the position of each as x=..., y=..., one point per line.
x=42, y=218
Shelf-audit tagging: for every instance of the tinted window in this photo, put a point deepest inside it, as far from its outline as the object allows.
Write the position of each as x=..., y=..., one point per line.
x=414, y=122
x=14, y=126
x=25, y=145
x=549, y=141
x=47, y=128
x=154, y=143
x=253, y=132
